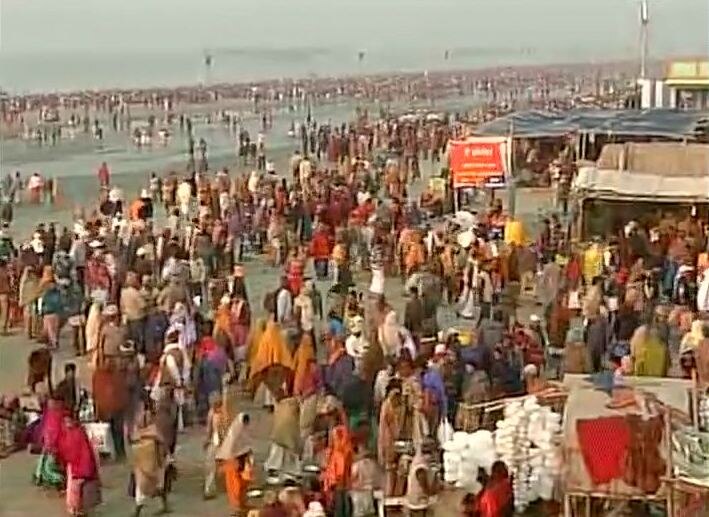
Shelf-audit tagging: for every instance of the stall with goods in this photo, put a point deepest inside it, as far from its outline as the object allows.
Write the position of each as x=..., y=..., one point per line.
x=616, y=440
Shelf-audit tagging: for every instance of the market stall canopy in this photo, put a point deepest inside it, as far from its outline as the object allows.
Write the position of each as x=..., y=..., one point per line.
x=657, y=172
x=657, y=123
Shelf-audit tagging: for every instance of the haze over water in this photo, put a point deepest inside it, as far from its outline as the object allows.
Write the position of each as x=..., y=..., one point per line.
x=77, y=44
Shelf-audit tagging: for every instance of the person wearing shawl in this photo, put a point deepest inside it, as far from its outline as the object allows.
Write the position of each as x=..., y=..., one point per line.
x=338, y=470
x=650, y=356
x=435, y=389
x=50, y=470
x=83, y=490
x=305, y=310
x=217, y=427
x=252, y=342
x=391, y=420
x=237, y=285
x=183, y=321
x=234, y=456
x=213, y=364
x=150, y=462
x=271, y=354
x=340, y=367
x=689, y=346
x=240, y=324
x=390, y=335
x=223, y=324
x=307, y=384
x=693, y=338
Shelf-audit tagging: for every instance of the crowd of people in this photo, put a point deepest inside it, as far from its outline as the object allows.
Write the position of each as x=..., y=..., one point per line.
x=157, y=296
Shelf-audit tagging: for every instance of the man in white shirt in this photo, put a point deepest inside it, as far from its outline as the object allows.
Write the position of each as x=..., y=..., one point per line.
x=356, y=344
x=284, y=303
x=304, y=307
x=174, y=371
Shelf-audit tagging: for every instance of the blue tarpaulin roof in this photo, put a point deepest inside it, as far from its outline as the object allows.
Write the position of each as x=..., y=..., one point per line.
x=659, y=123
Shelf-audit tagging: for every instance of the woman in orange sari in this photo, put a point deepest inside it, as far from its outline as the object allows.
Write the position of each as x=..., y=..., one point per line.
x=338, y=471
x=238, y=474
x=307, y=384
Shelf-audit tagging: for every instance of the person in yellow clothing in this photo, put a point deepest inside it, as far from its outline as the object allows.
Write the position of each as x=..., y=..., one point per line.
x=649, y=353
x=592, y=263
x=514, y=232
x=271, y=362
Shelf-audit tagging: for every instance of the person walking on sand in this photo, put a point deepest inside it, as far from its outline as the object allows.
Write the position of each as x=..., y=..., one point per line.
x=104, y=175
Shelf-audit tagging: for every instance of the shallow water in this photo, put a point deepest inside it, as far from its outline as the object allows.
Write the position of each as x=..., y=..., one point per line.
x=75, y=162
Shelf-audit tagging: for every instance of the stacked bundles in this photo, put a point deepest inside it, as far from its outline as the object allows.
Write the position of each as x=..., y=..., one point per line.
x=464, y=455
x=527, y=440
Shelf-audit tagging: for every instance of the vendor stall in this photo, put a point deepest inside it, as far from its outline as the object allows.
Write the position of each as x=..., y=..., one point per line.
x=632, y=181
x=616, y=444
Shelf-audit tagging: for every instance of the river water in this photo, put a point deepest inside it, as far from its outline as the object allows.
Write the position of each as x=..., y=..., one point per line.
x=82, y=44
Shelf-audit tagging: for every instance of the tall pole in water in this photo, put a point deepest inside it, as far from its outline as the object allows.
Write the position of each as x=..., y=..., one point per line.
x=644, y=43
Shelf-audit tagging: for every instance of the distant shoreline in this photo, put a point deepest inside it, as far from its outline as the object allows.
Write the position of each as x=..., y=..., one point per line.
x=614, y=66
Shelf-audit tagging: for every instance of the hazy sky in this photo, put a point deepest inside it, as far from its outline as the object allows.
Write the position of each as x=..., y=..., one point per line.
x=152, y=25
x=396, y=33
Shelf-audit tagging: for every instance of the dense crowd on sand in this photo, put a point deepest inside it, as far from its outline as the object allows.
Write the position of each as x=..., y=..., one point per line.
x=154, y=292
x=87, y=109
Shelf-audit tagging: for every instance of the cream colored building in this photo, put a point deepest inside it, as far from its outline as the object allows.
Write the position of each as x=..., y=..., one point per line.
x=687, y=84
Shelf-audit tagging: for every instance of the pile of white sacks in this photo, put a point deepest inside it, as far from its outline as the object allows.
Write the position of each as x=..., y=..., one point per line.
x=527, y=439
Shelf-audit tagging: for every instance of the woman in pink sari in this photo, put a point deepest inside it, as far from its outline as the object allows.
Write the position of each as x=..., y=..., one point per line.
x=50, y=470
x=83, y=491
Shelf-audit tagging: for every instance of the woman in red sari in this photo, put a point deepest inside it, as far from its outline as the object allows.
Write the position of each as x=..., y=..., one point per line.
x=83, y=490
x=496, y=498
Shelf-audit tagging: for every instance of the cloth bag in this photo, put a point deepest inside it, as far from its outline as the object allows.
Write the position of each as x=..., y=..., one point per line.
x=286, y=424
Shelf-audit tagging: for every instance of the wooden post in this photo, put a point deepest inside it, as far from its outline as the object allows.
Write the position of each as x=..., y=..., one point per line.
x=695, y=400
x=669, y=469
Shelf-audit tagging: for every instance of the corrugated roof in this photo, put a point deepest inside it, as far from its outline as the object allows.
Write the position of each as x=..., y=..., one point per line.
x=657, y=123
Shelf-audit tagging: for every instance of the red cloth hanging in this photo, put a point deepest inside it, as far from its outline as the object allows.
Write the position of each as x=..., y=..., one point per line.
x=604, y=446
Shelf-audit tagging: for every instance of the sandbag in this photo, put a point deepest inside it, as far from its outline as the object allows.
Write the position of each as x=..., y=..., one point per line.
x=286, y=424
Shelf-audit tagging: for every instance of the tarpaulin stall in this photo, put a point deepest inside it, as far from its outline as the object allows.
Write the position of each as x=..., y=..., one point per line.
x=630, y=181
x=600, y=440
